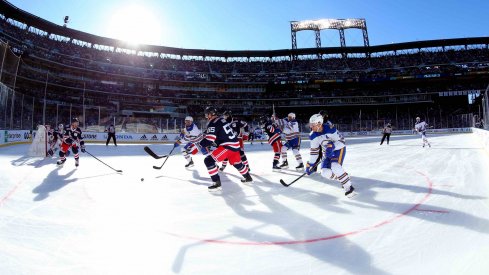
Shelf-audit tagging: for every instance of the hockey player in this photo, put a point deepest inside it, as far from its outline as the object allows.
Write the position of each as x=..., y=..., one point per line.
x=220, y=133
x=191, y=135
x=72, y=138
x=273, y=132
x=54, y=139
x=420, y=127
x=334, y=150
x=326, y=121
x=290, y=128
x=258, y=134
x=240, y=127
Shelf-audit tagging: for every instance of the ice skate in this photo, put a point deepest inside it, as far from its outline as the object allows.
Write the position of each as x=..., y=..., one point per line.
x=190, y=164
x=284, y=165
x=61, y=162
x=77, y=162
x=216, y=187
x=300, y=167
x=350, y=193
x=247, y=180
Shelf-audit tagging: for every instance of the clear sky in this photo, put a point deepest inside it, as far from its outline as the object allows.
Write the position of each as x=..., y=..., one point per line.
x=263, y=24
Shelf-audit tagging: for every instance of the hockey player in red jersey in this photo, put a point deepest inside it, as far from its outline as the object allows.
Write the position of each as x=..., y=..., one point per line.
x=240, y=127
x=220, y=133
x=72, y=138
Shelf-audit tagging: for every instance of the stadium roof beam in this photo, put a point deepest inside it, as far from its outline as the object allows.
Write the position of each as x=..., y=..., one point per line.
x=25, y=20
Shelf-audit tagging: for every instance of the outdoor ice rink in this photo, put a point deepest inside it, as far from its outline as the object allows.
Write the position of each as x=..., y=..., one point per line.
x=418, y=211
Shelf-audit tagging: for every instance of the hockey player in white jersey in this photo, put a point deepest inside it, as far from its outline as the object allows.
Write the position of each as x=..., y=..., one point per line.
x=191, y=135
x=334, y=149
x=290, y=127
x=420, y=127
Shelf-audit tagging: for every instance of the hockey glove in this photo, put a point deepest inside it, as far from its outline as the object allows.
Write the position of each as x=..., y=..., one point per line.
x=82, y=147
x=309, y=168
x=176, y=144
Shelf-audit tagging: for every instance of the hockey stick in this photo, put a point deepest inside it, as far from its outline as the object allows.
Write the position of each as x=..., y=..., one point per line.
x=298, y=178
x=118, y=171
x=159, y=167
x=153, y=154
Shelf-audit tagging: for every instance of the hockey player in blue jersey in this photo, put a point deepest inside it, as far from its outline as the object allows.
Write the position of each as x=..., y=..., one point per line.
x=290, y=127
x=191, y=136
x=240, y=127
x=273, y=132
x=334, y=149
x=420, y=127
x=72, y=139
x=220, y=134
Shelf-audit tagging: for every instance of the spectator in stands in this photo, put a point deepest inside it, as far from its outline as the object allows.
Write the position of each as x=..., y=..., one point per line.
x=110, y=134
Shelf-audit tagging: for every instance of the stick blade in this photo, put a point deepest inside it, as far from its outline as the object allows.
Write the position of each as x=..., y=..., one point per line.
x=150, y=152
x=156, y=167
x=283, y=183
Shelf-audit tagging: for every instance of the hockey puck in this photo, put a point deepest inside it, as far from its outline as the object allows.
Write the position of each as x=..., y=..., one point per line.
x=142, y=179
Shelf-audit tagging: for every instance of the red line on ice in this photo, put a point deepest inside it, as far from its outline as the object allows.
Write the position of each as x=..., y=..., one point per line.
x=342, y=235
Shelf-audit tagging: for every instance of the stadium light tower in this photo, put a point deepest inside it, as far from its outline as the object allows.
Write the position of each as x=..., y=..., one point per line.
x=335, y=24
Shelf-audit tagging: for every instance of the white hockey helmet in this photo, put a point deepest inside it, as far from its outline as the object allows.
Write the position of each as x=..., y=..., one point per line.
x=189, y=118
x=291, y=115
x=316, y=119
x=61, y=126
x=418, y=119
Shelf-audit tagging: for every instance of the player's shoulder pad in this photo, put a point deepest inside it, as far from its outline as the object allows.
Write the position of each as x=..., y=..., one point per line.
x=328, y=129
x=314, y=135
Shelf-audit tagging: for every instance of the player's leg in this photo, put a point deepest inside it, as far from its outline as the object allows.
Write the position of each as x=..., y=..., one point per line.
x=235, y=160
x=244, y=159
x=285, y=163
x=188, y=150
x=210, y=163
x=62, y=153
x=74, y=149
x=337, y=168
x=296, y=146
x=277, y=148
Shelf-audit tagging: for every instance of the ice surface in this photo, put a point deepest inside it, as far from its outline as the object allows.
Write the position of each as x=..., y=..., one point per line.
x=418, y=211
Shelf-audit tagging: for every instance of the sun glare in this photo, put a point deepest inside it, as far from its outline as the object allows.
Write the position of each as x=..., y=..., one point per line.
x=135, y=24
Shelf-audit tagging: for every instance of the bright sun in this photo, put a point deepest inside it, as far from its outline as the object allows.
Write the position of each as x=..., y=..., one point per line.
x=135, y=24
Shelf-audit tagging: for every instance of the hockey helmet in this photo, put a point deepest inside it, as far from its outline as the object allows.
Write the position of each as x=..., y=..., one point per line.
x=189, y=120
x=61, y=126
x=291, y=116
x=316, y=119
x=210, y=111
x=228, y=115
x=418, y=119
